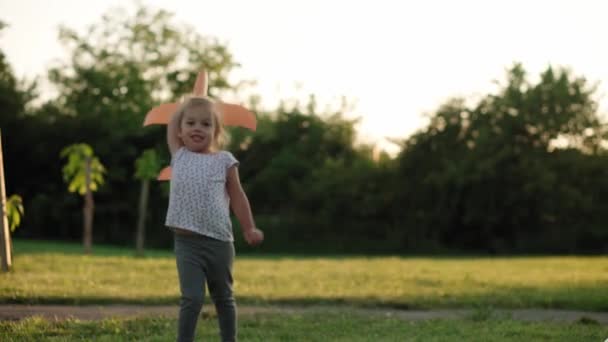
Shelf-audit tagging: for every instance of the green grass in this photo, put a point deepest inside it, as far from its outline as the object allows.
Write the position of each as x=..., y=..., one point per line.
x=304, y=327
x=47, y=272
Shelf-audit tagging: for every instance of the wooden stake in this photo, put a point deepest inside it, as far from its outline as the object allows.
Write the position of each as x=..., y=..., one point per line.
x=5, y=236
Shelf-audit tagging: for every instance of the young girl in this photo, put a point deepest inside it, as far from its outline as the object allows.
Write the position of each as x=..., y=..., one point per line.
x=204, y=184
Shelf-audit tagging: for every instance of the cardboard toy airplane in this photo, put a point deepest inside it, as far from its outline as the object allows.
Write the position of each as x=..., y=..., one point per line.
x=232, y=114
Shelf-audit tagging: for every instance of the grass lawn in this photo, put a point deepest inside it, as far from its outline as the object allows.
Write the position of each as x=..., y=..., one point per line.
x=47, y=272
x=320, y=327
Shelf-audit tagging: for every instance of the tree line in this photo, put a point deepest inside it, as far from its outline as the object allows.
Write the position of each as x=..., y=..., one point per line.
x=521, y=170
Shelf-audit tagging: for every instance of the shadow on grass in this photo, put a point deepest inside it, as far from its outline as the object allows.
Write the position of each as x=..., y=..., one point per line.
x=551, y=299
x=72, y=248
x=243, y=300
x=28, y=246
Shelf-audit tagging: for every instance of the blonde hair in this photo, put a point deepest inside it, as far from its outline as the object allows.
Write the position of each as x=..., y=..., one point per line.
x=207, y=105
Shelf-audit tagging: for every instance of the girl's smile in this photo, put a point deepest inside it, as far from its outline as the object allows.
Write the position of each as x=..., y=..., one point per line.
x=196, y=137
x=197, y=129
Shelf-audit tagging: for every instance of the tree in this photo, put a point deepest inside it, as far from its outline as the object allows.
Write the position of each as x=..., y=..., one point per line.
x=84, y=173
x=559, y=107
x=12, y=102
x=12, y=97
x=147, y=167
x=118, y=69
x=490, y=176
x=125, y=65
x=5, y=237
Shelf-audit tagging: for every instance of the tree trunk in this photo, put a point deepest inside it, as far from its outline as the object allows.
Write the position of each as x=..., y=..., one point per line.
x=89, y=207
x=5, y=235
x=141, y=222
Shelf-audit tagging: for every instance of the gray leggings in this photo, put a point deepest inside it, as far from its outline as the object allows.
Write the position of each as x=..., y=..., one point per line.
x=202, y=259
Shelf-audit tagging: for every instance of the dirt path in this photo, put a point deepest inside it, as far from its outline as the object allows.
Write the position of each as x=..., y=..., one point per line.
x=95, y=312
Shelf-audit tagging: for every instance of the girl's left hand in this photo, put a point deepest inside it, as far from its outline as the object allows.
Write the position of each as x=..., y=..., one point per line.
x=254, y=236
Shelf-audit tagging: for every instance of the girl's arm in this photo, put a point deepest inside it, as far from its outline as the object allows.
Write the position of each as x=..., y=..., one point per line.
x=173, y=139
x=240, y=207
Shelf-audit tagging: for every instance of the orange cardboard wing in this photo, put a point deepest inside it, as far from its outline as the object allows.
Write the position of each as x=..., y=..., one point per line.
x=232, y=115
x=235, y=115
x=165, y=174
x=160, y=114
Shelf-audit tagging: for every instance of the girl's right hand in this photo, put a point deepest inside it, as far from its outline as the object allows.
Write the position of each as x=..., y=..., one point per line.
x=254, y=236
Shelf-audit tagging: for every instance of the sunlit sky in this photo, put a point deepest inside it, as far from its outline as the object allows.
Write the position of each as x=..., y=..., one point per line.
x=394, y=60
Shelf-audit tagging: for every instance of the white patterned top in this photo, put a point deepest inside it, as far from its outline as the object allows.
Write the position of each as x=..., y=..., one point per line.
x=198, y=199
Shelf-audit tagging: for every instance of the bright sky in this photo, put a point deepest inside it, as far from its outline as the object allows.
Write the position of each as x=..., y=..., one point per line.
x=395, y=60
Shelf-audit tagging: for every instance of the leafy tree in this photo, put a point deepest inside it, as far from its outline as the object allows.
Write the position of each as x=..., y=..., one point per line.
x=559, y=107
x=147, y=167
x=308, y=181
x=285, y=150
x=12, y=99
x=485, y=176
x=118, y=69
x=84, y=174
x=12, y=102
x=124, y=65
x=523, y=169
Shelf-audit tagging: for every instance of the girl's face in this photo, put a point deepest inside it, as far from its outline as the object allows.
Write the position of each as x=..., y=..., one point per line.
x=197, y=130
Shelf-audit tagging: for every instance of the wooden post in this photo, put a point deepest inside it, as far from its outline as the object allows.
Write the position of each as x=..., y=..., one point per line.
x=5, y=236
x=141, y=221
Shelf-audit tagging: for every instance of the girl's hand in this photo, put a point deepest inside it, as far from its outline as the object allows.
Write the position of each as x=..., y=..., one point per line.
x=253, y=236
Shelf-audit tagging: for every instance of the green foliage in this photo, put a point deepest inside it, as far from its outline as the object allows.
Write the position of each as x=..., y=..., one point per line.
x=12, y=98
x=125, y=65
x=118, y=69
x=521, y=170
x=14, y=211
x=147, y=165
x=287, y=149
x=75, y=169
x=489, y=177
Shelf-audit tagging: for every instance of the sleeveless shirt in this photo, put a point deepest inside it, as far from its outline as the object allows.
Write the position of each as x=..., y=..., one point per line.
x=198, y=199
